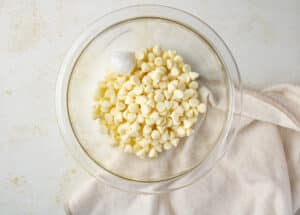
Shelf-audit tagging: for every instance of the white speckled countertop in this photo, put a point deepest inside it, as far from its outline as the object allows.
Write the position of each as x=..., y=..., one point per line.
x=37, y=173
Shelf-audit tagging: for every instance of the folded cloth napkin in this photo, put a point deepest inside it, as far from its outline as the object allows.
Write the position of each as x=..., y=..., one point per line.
x=260, y=174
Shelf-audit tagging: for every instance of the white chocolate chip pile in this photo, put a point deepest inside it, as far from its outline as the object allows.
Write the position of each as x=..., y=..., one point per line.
x=149, y=109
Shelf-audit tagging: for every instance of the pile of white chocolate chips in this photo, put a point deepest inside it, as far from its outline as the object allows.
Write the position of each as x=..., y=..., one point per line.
x=149, y=109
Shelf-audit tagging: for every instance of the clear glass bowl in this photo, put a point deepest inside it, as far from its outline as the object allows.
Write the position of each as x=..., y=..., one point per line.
x=134, y=28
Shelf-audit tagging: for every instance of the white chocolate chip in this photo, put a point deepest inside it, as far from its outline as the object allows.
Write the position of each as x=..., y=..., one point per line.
x=158, y=61
x=147, y=130
x=193, y=85
x=157, y=50
x=188, y=93
x=178, y=59
x=167, y=146
x=169, y=64
x=145, y=67
x=159, y=97
x=186, y=68
x=140, y=55
x=193, y=102
x=128, y=148
x=133, y=108
x=144, y=142
x=145, y=109
x=152, y=153
x=178, y=94
x=138, y=90
x=174, y=72
x=160, y=107
x=141, y=153
x=194, y=75
x=140, y=119
x=131, y=117
x=174, y=141
x=202, y=108
x=135, y=80
x=155, y=135
x=151, y=57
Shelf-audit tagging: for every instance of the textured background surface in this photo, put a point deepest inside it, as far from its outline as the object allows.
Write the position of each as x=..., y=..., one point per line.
x=37, y=173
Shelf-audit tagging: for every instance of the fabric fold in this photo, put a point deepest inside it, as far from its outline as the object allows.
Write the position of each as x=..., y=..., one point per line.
x=258, y=175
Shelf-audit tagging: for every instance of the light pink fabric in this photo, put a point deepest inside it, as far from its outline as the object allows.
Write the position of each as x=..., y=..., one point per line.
x=260, y=174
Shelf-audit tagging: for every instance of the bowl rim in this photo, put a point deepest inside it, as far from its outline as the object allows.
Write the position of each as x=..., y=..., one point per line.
x=235, y=97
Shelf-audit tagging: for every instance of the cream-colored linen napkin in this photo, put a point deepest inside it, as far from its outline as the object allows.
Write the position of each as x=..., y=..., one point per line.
x=260, y=174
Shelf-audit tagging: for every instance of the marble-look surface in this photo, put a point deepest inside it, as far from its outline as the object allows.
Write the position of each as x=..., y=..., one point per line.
x=37, y=173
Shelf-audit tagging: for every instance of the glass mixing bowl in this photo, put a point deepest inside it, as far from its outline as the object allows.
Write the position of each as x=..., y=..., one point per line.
x=134, y=28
